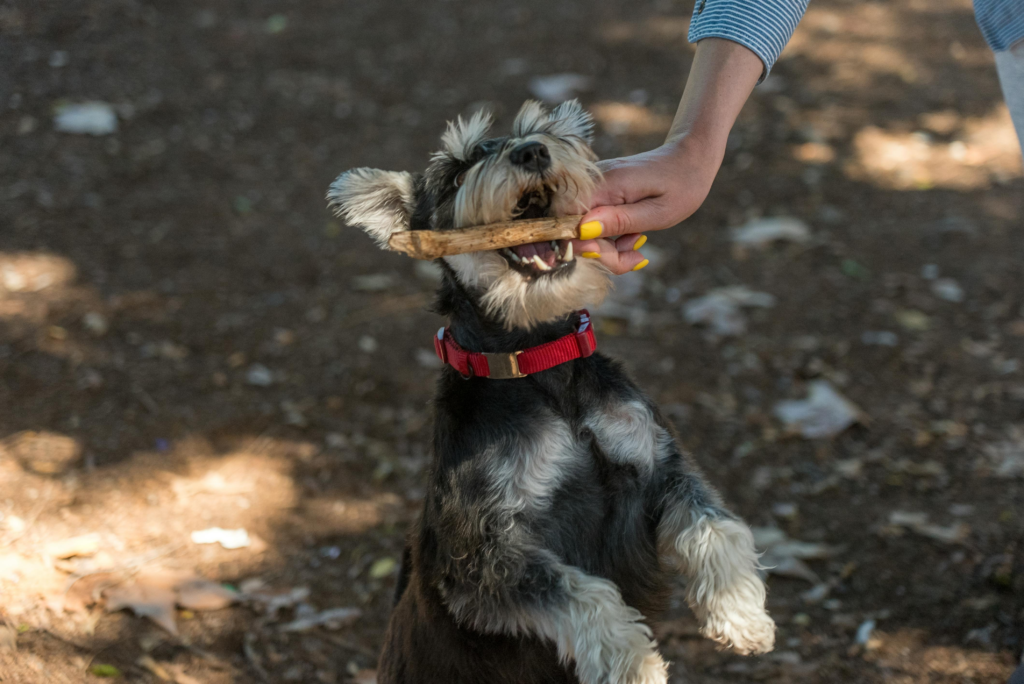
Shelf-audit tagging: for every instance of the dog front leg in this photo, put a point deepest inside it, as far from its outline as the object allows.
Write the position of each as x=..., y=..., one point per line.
x=715, y=550
x=584, y=616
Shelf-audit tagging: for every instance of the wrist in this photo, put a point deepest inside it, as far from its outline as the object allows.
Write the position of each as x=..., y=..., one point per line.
x=698, y=151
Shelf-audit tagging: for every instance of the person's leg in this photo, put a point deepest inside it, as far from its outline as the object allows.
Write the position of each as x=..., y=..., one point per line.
x=1010, y=65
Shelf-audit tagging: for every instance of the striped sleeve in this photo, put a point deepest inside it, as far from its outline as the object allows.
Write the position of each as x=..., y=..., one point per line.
x=1000, y=21
x=764, y=26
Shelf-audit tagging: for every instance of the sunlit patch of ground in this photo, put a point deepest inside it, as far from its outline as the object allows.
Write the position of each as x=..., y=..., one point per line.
x=983, y=150
x=620, y=118
x=139, y=517
x=867, y=40
x=910, y=658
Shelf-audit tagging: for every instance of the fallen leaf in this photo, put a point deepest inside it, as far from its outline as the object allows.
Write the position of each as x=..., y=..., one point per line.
x=274, y=600
x=333, y=618
x=721, y=309
x=8, y=638
x=785, y=557
x=201, y=594
x=760, y=233
x=558, y=88
x=156, y=668
x=789, y=567
x=84, y=592
x=1006, y=459
x=825, y=413
x=382, y=567
x=917, y=522
x=84, y=545
x=90, y=118
x=153, y=602
x=229, y=539
x=101, y=670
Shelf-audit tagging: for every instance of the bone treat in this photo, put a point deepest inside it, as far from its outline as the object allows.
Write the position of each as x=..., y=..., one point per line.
x=431, y=244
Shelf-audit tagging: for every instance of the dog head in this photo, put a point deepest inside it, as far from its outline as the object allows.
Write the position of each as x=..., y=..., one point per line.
x=545, y=167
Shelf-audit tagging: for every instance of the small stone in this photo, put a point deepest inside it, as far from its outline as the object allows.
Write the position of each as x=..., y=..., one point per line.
x=427, y=358
x=914, y=320
x=428, y=271
x=558, y=88
x=864, y=632
x=948, y=289
x=59, y=59
x=374, y=282
x=880, y=338
x=90, y=118
x=284, y=337
x=785, y=510
x=801, y=619
x=259, y=375
x=95, y=323
x=276, y=23
x=367, y=344
x=336, y=440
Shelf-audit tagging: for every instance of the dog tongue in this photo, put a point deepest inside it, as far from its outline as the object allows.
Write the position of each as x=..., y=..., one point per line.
x=540, y=249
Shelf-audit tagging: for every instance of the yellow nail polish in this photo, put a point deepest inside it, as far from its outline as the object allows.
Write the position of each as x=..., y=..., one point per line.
x=641, y=264
x=590, y=255
x=641, y=241
x=591, y=230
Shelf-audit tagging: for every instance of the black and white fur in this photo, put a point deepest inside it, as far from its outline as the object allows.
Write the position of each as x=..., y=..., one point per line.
x=559, y=503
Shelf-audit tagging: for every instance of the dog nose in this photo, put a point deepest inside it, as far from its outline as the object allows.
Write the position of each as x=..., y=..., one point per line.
x=531, y=155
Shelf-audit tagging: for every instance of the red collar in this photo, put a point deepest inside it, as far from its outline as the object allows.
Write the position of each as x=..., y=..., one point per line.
x=575, y=345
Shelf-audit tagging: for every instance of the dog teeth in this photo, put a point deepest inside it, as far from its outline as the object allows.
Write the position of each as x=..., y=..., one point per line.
x=558, y=252
x=568, y=252
x=512, y=255
x=539, y=263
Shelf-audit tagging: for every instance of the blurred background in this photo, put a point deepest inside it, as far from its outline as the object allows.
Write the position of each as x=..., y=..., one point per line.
x=214, y=397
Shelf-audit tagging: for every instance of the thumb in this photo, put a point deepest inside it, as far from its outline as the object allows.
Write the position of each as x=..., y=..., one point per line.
x=622, y=219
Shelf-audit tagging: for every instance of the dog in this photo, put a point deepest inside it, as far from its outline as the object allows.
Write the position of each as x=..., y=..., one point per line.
x=559, y=504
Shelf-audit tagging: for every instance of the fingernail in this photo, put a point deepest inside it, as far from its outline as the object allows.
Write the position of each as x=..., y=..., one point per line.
x=641, y=265
x=641, y=241
x=591, y=230
x=590, y=255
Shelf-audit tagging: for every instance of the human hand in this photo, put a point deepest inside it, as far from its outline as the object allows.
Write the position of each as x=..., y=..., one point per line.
x=645, y=192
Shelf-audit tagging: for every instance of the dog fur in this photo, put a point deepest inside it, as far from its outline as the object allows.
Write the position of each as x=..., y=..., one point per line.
x=559, y=504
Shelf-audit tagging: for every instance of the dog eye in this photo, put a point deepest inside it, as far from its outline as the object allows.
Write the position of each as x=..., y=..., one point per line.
x=459, y=179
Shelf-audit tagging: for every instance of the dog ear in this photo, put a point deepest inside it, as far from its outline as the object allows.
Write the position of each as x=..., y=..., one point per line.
x=570, y=119
x=530, y=119
x=379, y=202
x=462, y=136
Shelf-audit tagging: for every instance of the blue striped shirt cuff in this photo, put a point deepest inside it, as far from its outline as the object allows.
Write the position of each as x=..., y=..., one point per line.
x=763, y=26
x=1000, y=21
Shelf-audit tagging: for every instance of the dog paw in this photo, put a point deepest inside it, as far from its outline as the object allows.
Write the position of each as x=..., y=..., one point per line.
x=653, y=670
x=747, y=633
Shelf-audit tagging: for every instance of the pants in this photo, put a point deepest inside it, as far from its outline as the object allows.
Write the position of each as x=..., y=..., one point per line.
x=1010, y=65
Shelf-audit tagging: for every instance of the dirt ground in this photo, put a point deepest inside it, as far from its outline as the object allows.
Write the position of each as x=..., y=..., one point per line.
x=189, y=340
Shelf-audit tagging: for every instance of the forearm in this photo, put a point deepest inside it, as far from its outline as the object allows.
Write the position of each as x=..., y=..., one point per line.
x=721, y=79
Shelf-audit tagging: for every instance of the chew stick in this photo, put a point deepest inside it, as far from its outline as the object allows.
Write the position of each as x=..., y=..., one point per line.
x=431, y=244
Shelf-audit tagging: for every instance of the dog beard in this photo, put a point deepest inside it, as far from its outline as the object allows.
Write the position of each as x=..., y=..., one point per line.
x=531, y=284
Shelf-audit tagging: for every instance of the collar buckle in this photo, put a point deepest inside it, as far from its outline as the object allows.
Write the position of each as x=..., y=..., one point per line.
x=504, y=366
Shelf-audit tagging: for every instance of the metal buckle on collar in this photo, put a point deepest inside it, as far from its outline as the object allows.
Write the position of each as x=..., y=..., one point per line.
x=504, y=366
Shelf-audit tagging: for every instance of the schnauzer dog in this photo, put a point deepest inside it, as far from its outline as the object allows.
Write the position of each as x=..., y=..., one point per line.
x=558, y=500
